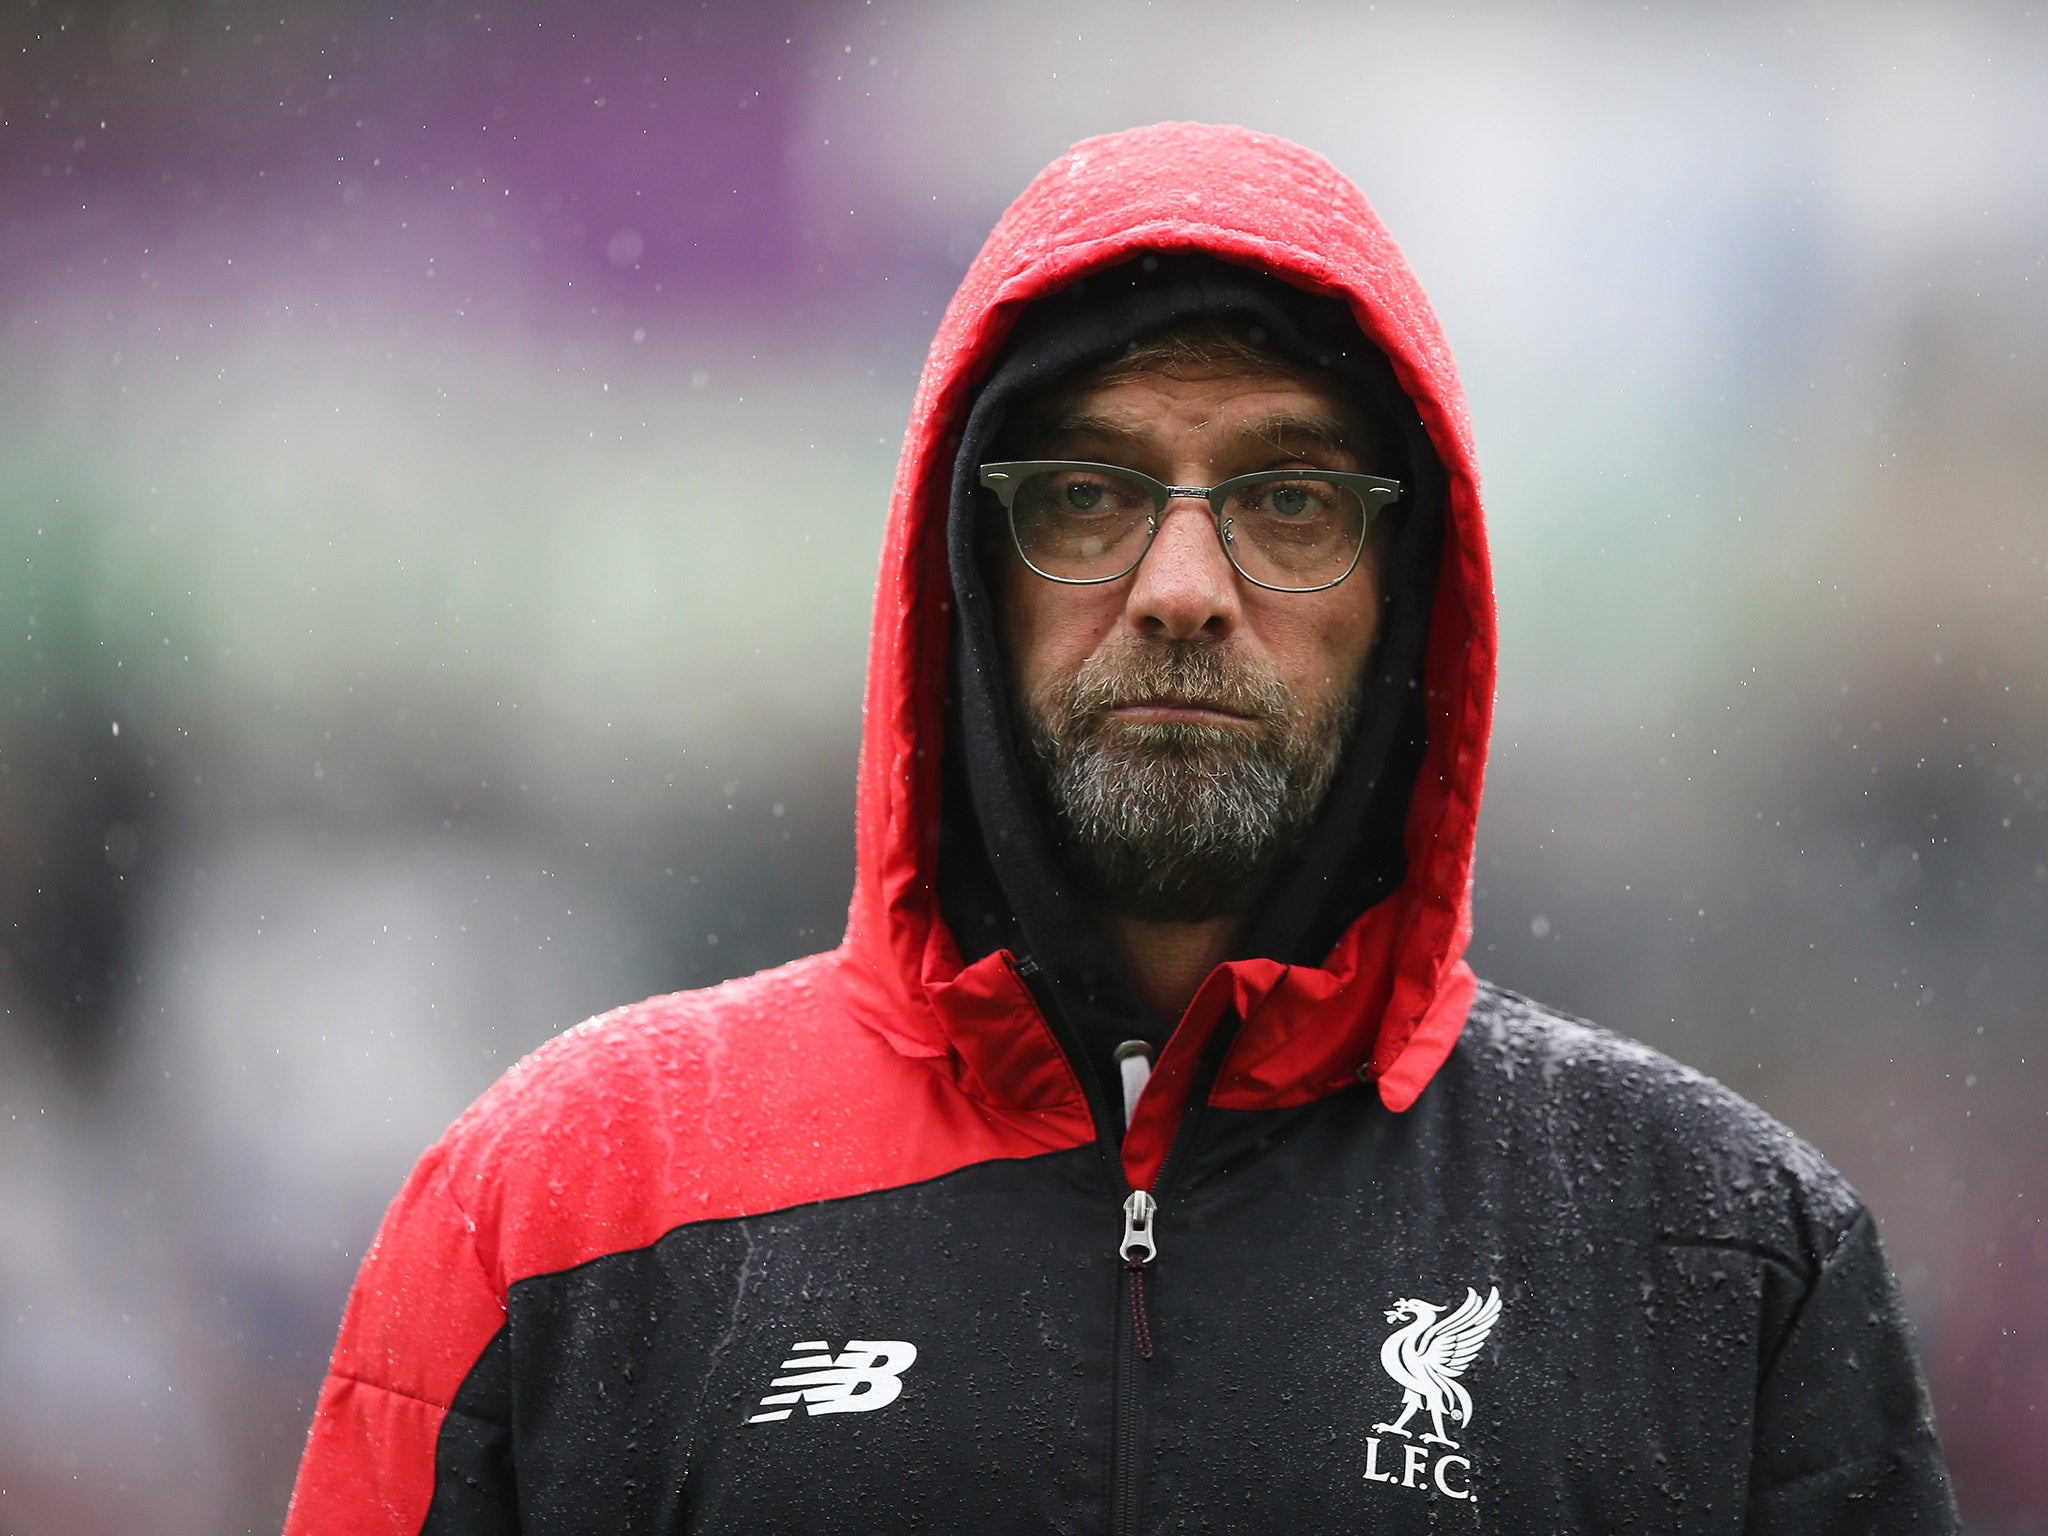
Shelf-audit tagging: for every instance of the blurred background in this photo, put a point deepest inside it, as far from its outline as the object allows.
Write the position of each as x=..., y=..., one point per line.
x=382, y=689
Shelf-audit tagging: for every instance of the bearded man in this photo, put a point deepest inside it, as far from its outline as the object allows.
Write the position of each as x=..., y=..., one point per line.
x=1146, y=1157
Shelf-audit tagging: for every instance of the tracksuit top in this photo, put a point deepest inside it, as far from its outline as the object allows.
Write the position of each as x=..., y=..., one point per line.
x=864, y=1243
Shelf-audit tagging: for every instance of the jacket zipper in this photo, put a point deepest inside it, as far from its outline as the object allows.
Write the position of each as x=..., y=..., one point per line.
x=1134, y=1336
x=1139, y=1247
x=1137, y=1250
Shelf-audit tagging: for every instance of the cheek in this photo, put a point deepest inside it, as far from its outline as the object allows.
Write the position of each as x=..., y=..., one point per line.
x=1044, y=627
x=1320, y=645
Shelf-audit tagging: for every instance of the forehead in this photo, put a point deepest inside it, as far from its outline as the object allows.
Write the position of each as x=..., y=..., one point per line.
x=1212, y=401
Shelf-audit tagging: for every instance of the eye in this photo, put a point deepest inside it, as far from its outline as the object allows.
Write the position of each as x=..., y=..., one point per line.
x=1293, y=501
x=1088, y=494
x=1289, y=501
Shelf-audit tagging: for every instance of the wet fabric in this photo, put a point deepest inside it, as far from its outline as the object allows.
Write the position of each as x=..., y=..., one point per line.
x=841, y=1246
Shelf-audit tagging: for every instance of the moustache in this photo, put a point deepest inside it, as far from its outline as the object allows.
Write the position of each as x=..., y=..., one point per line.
x=1190, y=673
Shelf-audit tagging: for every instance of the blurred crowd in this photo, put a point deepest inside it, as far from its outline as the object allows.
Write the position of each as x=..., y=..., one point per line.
x=442, y=461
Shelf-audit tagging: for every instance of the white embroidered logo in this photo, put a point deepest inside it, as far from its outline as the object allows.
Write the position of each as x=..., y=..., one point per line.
x=1426, y=1357
x=866, y=1375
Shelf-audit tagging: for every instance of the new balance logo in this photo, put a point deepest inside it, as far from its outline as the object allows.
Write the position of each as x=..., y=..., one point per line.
x=866, y=1375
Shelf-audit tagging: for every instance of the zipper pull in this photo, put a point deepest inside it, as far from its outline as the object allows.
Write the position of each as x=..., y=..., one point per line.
x=1138, y=1246
x=1137, y=1250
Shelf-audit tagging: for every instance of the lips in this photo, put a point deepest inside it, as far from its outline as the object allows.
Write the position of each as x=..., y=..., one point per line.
x=1182, y=708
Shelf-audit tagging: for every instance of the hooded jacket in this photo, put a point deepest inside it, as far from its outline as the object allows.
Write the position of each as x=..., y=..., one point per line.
x=863, y=1243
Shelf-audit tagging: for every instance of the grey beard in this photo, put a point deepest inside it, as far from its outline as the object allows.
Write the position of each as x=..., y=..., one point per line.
x=1180, y=822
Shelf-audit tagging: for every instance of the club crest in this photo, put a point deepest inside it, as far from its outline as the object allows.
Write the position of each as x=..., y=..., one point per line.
x=1426, y=1354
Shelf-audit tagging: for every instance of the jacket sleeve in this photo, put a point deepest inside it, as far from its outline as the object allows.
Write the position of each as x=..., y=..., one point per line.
x=411, y=1402
x=1844, y=1429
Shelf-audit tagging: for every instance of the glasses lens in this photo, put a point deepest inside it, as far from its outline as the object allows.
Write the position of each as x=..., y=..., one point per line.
x=1082, y=524
x=1294, y=533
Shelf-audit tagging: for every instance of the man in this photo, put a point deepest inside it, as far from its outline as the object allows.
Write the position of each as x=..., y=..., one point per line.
x=1146, y=1157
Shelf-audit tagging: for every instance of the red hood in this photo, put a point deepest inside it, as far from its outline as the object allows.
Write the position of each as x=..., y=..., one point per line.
x=1390, y=998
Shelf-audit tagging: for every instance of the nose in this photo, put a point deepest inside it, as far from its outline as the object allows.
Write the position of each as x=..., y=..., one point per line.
x=1185, y=586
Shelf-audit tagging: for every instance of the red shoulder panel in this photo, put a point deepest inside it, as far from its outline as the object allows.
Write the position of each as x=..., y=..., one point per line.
x=747, y=1098
x=753, y=1096
x=421, y=1312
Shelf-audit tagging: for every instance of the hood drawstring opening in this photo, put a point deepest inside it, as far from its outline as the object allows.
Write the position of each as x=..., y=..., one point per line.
x=1134, y=1069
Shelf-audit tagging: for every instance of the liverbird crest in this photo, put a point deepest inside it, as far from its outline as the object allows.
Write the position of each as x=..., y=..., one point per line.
x=1429, y=1354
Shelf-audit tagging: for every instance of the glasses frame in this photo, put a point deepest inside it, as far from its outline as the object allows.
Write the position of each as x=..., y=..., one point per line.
x=1376, y=492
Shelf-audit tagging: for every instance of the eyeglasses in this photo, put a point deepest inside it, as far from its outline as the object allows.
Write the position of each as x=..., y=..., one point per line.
x=1287, y=530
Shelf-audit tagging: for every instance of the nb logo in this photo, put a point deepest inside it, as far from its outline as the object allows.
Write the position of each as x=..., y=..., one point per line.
x=866, y=1375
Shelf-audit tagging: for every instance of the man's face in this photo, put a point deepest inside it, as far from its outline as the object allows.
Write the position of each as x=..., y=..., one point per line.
x=1184, y=722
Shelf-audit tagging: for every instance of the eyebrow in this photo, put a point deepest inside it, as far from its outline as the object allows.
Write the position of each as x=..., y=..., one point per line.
x=1281, y=430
